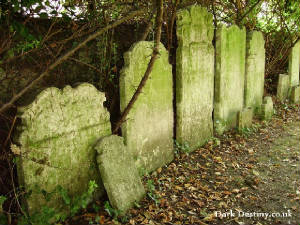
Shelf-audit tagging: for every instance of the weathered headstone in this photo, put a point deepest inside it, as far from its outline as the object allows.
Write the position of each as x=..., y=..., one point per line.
x=294, y=65
x=283, y=87
x=118, y=172
x=194, y=76
x=255, y=70
x=295, y=95
x=229, y=77
x=56, y=141
x=245, y=118
x=267, y=109
x=148, y=130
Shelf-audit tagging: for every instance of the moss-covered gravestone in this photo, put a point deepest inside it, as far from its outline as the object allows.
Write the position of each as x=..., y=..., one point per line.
x=194, y=76
x=295, y=95
x=119, y=174
x=255, y=70
x=283, y=87
x=244, y=119
x=229, y=77
x=148, y=130
x=55, y=142
x=294, y=59
x=267, y=109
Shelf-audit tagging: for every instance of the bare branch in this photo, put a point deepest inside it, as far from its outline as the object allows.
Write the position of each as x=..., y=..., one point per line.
x=159, y=18
x=68, y=54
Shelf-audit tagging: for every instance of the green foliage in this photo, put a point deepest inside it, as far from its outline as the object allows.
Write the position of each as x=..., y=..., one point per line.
x=181, y=147
x=111, y=211
x=49, y=215
x=247, y=131
x=2, y=200
x=151, y=192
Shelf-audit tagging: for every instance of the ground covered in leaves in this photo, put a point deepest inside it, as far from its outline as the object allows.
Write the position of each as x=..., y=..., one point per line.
x=235, y=178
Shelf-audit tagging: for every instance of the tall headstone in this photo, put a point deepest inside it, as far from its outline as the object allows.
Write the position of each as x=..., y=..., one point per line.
x=294, y=65
x=55, y=142
x=148, y=130
x=255, y=70
x=229, y=76
x=194, y=76
x=120, y=177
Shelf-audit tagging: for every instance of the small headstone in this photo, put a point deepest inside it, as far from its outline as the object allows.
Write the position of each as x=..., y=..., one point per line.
x=245, y=118
x=295, y=95
x=283, y=87
x=119, y=174
x=267, y=108
x=55, y=142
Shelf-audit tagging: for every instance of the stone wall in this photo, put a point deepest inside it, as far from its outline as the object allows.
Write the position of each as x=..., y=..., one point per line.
x=148, y=130
x=229, y=76
x=194, y=76
x=255, y=70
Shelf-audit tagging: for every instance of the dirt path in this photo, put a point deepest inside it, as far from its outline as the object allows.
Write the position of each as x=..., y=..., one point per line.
x=248, y=178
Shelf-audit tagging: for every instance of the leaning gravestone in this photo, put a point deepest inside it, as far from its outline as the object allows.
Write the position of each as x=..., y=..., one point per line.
x=229, y=77
x=148, y=130
x=255, y=70
x=194, y=76
x=56, y=141
x=283, y=87
x=119, y=174
x=294, y=65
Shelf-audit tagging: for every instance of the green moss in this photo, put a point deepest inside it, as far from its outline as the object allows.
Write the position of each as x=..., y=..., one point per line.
x=148, y=130
x=56, y=137
x=194, y=76
x=230, y=73
x=255, y=71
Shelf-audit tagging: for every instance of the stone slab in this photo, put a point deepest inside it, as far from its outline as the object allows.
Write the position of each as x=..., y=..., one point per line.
x=293, y=70
x=148, y=130
x=56, y=138
x=194, y=76
x=229, y=76
x=295, y=95
x=120, y=177
x=255, y=70
x=267, y=108
x=245, y=118
x=283, y=87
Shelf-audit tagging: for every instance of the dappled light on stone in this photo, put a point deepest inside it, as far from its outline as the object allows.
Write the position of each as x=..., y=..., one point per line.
x=56, y=141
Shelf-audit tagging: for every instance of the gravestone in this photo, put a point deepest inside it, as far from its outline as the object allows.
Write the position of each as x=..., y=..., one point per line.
x=283, y=87
x=120, y=177
x=55, y=142
x=245, y=118
x=294, y=59
x=194, y=76
x=267, y=109
x=295, y=95
x=148, y=130
x=255, y=70
x=229, y=76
